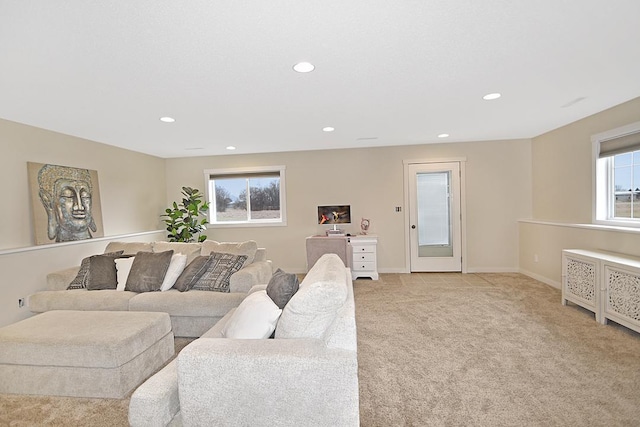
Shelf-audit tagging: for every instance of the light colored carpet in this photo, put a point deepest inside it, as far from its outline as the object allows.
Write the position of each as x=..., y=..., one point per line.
x=489, y=350
x=452, y=350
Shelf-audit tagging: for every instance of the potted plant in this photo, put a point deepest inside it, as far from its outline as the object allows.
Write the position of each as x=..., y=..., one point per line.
x=183, y=220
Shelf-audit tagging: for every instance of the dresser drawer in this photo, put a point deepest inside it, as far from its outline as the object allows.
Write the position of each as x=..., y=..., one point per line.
x=363, y=249
x=364, y=257
x=363, y=266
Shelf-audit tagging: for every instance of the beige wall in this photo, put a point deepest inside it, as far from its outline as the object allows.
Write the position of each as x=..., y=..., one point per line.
x=132, y=188
x=562, y=168
x=371, y=181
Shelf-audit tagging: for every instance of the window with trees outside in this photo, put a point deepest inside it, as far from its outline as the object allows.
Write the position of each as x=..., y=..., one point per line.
x=618, y=176
x=247, y=196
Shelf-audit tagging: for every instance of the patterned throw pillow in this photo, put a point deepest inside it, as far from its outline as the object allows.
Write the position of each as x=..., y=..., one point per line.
x=82, y=278
x=217, y=276
x=192, y=273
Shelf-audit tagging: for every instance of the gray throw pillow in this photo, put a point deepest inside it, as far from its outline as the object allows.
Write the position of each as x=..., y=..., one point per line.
x=81, y=279
x=148, y=271
x=217, y=276
x=102, y=273
x=282, y=286
x=192, y=273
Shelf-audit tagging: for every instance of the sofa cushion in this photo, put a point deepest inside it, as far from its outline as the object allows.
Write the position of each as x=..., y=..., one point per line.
x=255, y=318
x=216, y=277
x=148, y=271
x=248, y=248
x=128, y=248
x=102, y=273
x=191, y=250
x=80, y=281
x=312, y=309
x=282, y=286
x=176, y=267
x=80, y=299
x=192, y=273
x=188, y=304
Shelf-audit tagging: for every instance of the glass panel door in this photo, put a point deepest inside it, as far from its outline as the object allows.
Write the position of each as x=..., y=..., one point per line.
x=434, y=215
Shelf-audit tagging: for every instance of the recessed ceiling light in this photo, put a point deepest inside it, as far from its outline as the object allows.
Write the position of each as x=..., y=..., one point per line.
x=443, y=135
x=328, y=129
x=167, y=119
x=231, y=148
x=304, y=67
x=491, y=96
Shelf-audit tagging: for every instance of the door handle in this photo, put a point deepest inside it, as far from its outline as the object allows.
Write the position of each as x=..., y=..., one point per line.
x=413, y=226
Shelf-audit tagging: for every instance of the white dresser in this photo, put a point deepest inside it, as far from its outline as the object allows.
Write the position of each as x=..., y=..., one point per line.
x=364, y=258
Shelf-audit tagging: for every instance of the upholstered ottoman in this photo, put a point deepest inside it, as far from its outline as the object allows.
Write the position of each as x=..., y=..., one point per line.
x=83, y=353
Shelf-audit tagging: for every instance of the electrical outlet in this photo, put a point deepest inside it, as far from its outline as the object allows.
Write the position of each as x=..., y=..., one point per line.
x=20, y=302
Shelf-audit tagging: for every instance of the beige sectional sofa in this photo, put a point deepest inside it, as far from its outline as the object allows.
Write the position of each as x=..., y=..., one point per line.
x=306, y=376
x=192, y=313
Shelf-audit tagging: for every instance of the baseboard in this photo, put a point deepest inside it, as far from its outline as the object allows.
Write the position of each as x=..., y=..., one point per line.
x=492, y=270
x=542, y=279
x=393, y=270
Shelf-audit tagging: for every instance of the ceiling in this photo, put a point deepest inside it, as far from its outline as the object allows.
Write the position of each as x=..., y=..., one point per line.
x=386, y=72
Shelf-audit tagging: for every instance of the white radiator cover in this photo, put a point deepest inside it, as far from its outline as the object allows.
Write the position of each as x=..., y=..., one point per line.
x=606, y=283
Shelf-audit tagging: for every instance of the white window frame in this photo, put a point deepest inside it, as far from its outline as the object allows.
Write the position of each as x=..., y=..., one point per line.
x=603, y=199
x=246, y=171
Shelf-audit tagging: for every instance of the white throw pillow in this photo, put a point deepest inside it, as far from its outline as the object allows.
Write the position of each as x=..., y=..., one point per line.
x=123, y=267
x=255, y=318
x=177, y=265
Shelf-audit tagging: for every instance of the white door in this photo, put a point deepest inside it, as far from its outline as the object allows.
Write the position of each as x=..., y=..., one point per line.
x=435, y=219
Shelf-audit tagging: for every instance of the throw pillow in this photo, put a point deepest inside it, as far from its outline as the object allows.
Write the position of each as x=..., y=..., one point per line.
x=191, y=250
x=123, y=267
x=176, y=266
x=255, y=318
x=248, y=248
x=102, y=273
x=80, y=281
x=148, y=271
x=192, y=273
x=282, y=286
x=217, y=276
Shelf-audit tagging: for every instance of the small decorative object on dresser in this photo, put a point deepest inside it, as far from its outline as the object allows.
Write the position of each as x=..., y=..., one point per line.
x=364, y=225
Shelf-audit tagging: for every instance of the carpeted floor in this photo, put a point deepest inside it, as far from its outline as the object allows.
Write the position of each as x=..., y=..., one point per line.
x=452, y=350
x=489, y=350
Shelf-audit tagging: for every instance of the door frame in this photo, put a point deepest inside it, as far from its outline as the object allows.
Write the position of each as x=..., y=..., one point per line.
x=463, y=206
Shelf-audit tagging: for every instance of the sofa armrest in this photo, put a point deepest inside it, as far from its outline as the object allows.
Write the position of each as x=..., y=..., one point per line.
x=155, y=402
x=263, y=382
x=59, y=280
x=256, y=273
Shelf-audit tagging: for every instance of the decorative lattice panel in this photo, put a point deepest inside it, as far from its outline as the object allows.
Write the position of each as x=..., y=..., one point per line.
x=581, y=279
x=623, y=293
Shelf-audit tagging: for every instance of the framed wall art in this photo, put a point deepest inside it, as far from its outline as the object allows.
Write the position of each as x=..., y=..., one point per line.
x=65, y=202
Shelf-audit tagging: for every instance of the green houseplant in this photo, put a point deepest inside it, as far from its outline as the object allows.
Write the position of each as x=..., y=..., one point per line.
x=183, y=220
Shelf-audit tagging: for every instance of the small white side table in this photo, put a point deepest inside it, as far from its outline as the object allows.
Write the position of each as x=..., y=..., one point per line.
x=364, y=261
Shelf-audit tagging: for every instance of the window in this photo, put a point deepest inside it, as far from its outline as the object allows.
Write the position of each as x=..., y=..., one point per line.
x=247, y=196
x=617, y=181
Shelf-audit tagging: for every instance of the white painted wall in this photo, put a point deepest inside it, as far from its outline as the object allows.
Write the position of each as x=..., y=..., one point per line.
x=132, y=187
x=562, y=168
x=371, y=181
